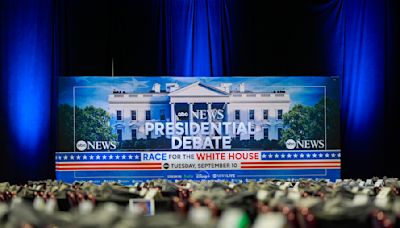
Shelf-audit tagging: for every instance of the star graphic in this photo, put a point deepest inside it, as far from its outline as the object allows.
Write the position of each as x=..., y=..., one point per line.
x=295, y=155
x=136, y=156
x=59, y=157
x=104, y=157
x=98, y=157
x=333, y=155
x=276, y=155
x=130, y=157
x=65, y=157
x=264, y=156
x=283, y=155
x=84, y=157
x=327, y=155
x=110, y=157
x=117, y=157
x=71, y=157
x=270, y=155
x=302, y=155
x=289, y=155
x=314, y=155
x=78, y=157
x=91, y=157
x=308, y=155
x=320, y=155
x=123, y=157
x=339, y=155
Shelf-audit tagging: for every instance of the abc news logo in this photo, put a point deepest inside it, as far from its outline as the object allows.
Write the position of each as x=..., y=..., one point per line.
x=96, y=145
x=305, y=144
x=216, y=114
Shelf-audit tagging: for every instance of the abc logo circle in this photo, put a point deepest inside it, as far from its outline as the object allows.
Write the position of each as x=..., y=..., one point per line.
x=81, y=145
x=183, y=114
x=290, y=144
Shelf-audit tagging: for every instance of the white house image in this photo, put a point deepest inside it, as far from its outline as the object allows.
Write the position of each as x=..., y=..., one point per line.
x=130, y=111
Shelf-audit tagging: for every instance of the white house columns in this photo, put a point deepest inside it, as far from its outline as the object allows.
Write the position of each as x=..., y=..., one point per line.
x=209, y=111
x=226, y=117
x=173, y=118
x=190, y=112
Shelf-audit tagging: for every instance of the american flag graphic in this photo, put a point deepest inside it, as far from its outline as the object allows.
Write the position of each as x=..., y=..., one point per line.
x=110, y=161
x=296, y=160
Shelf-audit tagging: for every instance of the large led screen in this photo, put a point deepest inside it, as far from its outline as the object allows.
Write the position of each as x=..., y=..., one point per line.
x=129, y=129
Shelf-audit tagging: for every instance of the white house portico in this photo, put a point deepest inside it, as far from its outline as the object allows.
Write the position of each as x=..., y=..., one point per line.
x=199, y=102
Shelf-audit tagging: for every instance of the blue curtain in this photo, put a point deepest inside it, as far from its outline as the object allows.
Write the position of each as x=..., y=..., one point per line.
x=349, y=38
x=366, y=48
x=196, y=36
x=26, y=88
x=352, y=38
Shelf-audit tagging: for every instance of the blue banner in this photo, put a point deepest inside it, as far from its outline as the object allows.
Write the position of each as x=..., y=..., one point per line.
x=238, y=128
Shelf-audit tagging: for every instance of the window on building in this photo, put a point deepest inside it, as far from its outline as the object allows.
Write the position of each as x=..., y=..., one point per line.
x=252, y=131
x=133, y=115
x=134, y=134
x=119, y=115
x=251, y=114
x=119, y=133
x=162, y=114
x=148, y=115
x=279, y=133
x=237, y=114
x=265, y=114
x=280, y=114
x=266, y=133
x=237, y=136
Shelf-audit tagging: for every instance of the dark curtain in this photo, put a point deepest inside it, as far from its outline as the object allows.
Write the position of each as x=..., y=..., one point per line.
x=27, y=90
x=83, y=37
x=250, y=37
x=195, y=37
x=289, y=38
x=368, y=84
x=355, y=39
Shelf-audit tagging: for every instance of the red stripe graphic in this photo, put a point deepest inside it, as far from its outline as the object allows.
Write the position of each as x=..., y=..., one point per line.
x=106, y=163
x=290, y=167
x=290, y=162
x=335, y=164
x=109, y=168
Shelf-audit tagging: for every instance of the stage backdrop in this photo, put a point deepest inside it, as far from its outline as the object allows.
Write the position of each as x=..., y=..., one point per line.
x=237, y=128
